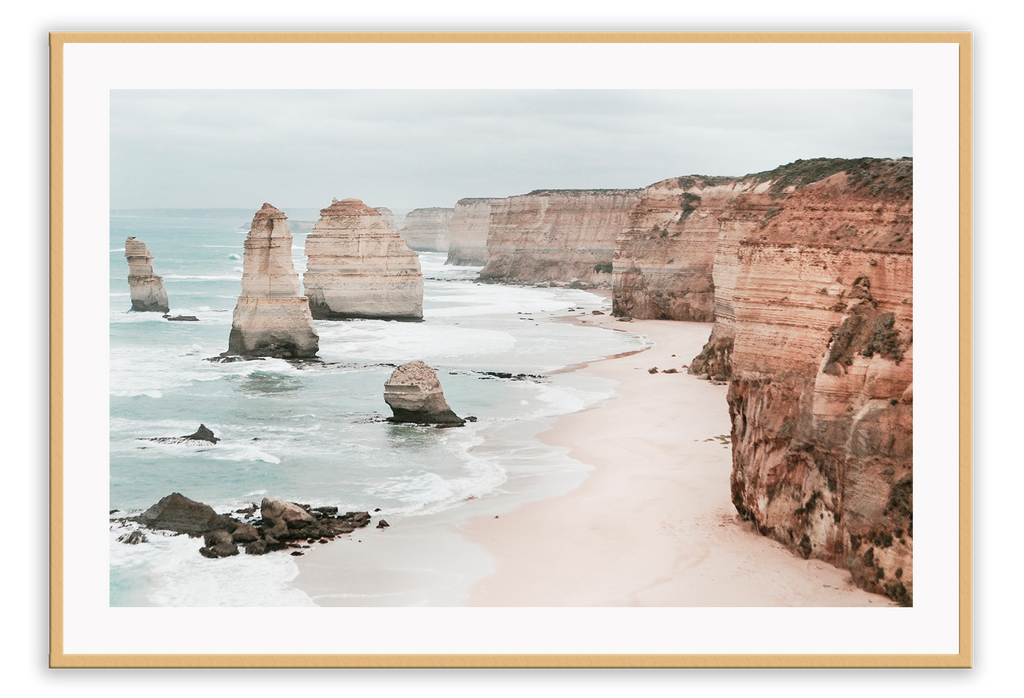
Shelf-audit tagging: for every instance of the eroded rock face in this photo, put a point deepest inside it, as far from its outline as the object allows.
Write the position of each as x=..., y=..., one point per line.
x=414, y=394
x=388, y=215
x=814, y=324
x=272, y=317
x=358, y=268
x=665, y=254
x=557, y=236
x=146, y=288
x=467, y=235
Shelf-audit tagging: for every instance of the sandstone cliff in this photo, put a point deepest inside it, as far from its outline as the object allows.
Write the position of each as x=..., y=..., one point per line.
x=146, y=288
x=665, y=254
x=467, y=235
x=813, y=281
x=426, y=229
x=271, y=318
x=556, y=236
x=358, y=268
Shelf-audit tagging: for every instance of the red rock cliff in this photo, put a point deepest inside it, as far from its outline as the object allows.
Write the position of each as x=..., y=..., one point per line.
x=814, y=326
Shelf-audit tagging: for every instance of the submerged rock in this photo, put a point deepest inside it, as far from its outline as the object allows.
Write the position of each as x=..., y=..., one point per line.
x=147, y=289
x=272, y=317
x=414, y=394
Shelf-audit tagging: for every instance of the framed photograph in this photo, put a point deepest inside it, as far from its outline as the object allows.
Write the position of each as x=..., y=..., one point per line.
x=510, y=350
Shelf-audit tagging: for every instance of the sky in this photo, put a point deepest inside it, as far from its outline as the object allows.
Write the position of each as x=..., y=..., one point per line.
x=416, y=148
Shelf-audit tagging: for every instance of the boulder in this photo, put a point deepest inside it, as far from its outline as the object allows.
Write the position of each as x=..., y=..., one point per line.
x=218, y=544
x=178, y=513
x=202, y=434
x=414, y=394
x=275, y=510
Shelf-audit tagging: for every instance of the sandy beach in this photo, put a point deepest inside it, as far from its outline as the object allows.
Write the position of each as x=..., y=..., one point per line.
x=653, y=524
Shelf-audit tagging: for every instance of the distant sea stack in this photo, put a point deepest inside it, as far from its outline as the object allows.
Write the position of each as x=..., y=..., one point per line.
x=467, y=235
x=388, y=215
x=271, y=318
x=557, y=236
x=358, y=268
x=426, y=229
x=414, y=394
x=147, y=289
x=813, y=281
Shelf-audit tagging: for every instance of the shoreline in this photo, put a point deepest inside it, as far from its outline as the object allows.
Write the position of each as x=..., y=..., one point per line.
x=652, y=524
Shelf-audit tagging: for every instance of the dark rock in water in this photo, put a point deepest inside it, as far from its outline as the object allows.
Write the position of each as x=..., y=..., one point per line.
x=220, y=522
x=329, y=511
x=226, y=358
x=202, y=434
x=653, y=370
x=114, y=511
x=218, y=544
x=245, y=533
x=377, y=509
x=414, y=394
x=470, y=418
x=296, y=553
x=256, y=548
x=133, y=538
x=178, y=513
x=670, y=370
x=383, y=524
x=596, y=312
x=181, y=318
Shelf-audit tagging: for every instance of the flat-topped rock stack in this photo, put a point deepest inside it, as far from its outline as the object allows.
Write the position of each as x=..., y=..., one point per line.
x=147, y=289
x=467, y=235
x=388, y=215
x=272, y=316
x=358, y=268
x=426, y=229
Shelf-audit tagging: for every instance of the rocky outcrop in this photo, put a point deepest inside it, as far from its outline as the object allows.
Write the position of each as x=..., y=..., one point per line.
x=414, y=394
x=814, y=326
x=203, y=433
x=426, y=229
x=271, y=318
x=557, y=236
x=282, y=525
x=178, y=513
x=358, y=268
x=146, y=288
x=467, y=235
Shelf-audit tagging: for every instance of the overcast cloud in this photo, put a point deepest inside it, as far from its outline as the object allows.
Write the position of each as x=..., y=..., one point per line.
x=413, y=148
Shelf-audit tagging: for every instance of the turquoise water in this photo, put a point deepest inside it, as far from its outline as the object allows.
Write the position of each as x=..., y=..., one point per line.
x=315, y=432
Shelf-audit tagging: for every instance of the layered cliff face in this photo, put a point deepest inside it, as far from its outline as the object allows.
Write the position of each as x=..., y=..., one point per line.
x=557, y=236
x=426, y=229
x=271, y=318
x=358, y=268
x=814, y=326
x=665, y=254
x=146, y=288
x=467, y=235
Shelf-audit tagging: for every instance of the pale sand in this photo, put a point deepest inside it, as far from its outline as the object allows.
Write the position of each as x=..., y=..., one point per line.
x=653, y=524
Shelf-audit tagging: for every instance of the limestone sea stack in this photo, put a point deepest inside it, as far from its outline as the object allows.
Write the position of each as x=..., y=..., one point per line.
x=389, y=217
x=556, y=236
x=414, y=394
x=467, y=235
x=272, y=317
x=147, y=289
x=358, y=268
x=426, y=229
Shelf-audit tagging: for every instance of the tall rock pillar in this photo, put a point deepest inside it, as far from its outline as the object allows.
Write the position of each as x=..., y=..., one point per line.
x=272, y=317
x=147, y=289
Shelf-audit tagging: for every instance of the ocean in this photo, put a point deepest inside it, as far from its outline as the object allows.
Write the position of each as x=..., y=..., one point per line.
x=314, y=432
